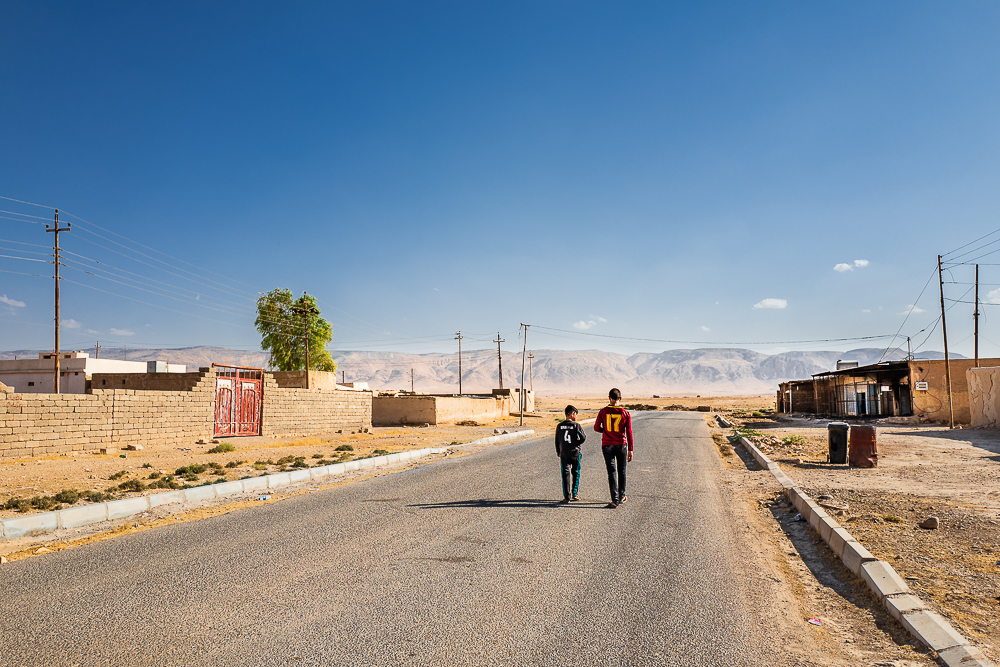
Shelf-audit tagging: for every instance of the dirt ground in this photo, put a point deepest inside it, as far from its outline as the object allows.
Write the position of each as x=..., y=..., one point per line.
x=47, y=476
x=808, y=581
x=923, y=471
x=724, y=403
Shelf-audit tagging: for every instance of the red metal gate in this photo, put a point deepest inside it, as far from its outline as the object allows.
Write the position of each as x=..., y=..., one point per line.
x=237, y=400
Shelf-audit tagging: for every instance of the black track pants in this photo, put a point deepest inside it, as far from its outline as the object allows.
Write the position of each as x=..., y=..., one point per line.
x=614, y=459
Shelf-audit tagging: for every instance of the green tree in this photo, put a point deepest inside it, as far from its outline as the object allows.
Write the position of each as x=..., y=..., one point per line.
x=283, y=322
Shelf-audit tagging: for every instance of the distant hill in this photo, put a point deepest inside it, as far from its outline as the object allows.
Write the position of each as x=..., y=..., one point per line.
x=709, y=371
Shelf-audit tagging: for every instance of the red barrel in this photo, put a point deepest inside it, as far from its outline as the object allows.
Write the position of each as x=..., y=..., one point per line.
x=863, y=450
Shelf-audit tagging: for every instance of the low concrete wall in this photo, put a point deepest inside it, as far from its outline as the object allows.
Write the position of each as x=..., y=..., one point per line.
x=423, y=409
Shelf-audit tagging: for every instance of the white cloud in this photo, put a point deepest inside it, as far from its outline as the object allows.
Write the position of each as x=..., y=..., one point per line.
x=11, y=302
x=122, y=332
x=913, y=309
x=866, y=310
x=843, y=267
x=771, y=303
x=599, y=318
x=71, y=324
x=993, y=297
x=704, y=328
x=91, y=331
x=861, y=262
x=584, y=325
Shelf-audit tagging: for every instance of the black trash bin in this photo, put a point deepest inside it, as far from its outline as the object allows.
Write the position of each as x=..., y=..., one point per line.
x=838, y=432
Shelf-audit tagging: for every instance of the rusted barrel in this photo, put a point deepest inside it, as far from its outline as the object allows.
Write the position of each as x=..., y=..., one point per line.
x=863, y=450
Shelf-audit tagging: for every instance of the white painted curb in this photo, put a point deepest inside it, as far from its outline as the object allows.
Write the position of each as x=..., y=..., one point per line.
x=83, y=515
x=933, y=631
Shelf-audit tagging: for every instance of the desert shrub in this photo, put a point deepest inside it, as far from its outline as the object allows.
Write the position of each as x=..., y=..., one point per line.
x=132, y=486
x=17, y=503
x=222, y=448
x=300, y=464
x=756, y=413
x=235, y=464
x=167, y=482
x=97, y=496
x=317, y=456
x=146, y=465
x=220, y=480
x=285, y=460
x=260, y=465
x=68, y=496
x=323, y=462
x=119, y=474
x=192, y=469
x=380, y=452
x=891, y=518
x=345, y=448
x=793, y=440
x=155, y=474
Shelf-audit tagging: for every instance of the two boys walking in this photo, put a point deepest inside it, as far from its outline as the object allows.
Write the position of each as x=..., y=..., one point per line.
x=614, y=423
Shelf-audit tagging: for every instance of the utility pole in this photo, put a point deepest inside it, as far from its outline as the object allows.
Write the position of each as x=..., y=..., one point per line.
x=499, y=358
x=947, y=359
x=975, y=316
x=343, y=377
x=306, y=309
x=458, y=337
x=523, y=355
x=55, y=228
x=909, y=355
x=531, y=372
x=97, y=350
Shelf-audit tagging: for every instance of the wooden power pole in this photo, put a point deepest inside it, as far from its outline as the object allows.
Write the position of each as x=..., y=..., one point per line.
x=55, y=228
x=947, y=359
x=458, y=337
x=97, y=350
x=523, y=355
x=500, y=358
x=305, y=309
x=975, y=316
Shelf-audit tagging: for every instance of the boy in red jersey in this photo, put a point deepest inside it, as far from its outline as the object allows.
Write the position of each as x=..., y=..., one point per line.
x=615, y=424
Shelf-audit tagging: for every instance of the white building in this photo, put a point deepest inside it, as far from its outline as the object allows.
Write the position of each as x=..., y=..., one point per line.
x=34, y=376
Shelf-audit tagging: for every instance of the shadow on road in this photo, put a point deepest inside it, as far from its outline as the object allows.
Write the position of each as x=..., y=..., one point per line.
x=515, y=504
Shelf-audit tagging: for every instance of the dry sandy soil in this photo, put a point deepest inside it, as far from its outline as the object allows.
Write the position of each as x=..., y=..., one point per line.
x=923, y=471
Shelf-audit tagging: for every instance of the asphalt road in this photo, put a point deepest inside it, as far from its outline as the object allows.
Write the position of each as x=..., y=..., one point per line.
x=466, y=561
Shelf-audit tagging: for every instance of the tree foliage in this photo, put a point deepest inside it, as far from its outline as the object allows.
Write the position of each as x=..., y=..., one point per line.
x=283, y=322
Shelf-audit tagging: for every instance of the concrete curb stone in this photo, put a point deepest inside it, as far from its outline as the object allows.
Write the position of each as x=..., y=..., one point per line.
x=964, y=656
x=81, y=516
x=952, y=648
x=119, y=508
x=933, y=630
x=882, y=579
x=903, y=604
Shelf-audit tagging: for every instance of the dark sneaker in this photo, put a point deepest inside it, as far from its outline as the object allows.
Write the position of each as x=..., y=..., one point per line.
x=623, y=500
x=612, y=506
x=575, y=499
x=564, y=500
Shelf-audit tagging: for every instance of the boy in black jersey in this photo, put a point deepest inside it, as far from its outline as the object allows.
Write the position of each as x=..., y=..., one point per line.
x=569, y=437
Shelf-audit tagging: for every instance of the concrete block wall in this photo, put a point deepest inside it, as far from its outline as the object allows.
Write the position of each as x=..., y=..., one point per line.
x=293, y=412
x=45, y=424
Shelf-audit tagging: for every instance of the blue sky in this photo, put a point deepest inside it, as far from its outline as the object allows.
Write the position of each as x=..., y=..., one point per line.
x=633, y=170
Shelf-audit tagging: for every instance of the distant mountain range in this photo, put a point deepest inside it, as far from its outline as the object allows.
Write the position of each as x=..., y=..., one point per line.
x=710, y=371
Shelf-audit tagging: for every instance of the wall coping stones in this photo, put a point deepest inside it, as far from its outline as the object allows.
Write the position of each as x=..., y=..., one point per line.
x=952, y=648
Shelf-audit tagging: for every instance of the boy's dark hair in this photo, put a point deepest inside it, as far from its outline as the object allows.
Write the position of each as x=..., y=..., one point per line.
x=615, y=395
x=570, y=410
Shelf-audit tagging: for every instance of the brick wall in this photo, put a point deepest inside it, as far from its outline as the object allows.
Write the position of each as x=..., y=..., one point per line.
x=45, y=424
